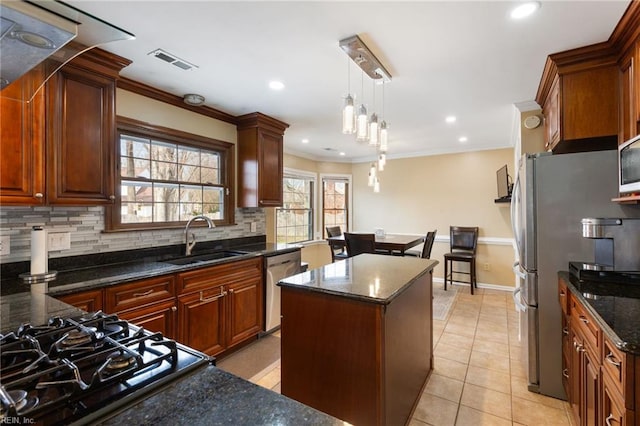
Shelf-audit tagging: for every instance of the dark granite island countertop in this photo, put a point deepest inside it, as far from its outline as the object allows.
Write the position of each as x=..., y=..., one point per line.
x=372, y=278
x=615, y=306
x=357, y=337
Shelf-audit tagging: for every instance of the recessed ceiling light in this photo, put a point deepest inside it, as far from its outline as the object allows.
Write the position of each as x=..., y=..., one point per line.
x=276, y=85
x=525, y=9
x=462, y=139
x=450, y=119
x=305, y=140
x=343, y=153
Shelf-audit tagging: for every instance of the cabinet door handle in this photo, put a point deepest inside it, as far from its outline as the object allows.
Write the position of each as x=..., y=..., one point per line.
x=562, y=293
x=610, y=358
x=146, y=293
x=173, y=309
x=211, y=299
x=112, y=197
x=565, y=373
x=608, y=419
x=583, y=319
x=565, y=331
x=38, y=195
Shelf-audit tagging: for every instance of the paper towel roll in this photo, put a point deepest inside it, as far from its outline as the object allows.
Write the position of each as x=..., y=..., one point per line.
x=38, y=251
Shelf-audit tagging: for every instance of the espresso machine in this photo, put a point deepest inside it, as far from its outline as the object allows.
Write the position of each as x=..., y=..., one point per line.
x=616, y=248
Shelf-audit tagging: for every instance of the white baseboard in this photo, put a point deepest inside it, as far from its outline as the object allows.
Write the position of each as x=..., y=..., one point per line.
x=480, y=285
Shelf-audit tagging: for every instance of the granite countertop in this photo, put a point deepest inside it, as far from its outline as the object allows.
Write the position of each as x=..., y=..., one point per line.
x=614, y=306
x=207, y=396
x=147, y=264
x=212, y=397
x=373, y=278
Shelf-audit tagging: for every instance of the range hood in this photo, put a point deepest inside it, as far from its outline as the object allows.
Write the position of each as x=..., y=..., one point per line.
x=45, y=34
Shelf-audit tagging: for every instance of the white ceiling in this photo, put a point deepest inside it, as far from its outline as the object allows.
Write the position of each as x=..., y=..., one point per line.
x=468, y=59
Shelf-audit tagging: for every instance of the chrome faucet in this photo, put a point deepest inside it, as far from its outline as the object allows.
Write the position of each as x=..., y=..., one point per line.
x=191, y=245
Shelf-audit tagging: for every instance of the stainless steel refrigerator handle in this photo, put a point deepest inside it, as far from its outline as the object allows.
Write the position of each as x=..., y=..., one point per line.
x=514, y=197
x=516, y=270
x=516, y=300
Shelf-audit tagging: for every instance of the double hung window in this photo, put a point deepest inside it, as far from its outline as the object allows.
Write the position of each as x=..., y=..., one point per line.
x=295, y=219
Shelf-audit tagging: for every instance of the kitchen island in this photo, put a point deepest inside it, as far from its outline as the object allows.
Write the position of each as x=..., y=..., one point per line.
x=357, y=337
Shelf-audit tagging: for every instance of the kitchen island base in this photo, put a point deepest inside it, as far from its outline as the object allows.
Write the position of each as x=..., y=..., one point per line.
x=363, y=362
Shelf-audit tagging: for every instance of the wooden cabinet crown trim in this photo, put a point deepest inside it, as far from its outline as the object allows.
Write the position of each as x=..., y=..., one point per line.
x=262, y=121
x=162, y=96
x=627, y=31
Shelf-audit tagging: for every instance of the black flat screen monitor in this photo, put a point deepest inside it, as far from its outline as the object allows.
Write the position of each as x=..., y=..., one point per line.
x=502, y=176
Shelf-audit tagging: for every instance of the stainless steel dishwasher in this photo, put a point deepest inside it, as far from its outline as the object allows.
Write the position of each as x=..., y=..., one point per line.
x=278, y=267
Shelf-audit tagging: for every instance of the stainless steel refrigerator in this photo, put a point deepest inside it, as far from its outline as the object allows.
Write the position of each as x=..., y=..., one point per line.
x=551, y=194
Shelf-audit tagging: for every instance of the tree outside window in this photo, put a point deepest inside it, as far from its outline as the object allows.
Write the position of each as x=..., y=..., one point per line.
x=294, y=220
x=334, y=203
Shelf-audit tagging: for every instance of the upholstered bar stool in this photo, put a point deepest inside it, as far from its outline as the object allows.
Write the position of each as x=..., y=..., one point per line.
x=463, y=243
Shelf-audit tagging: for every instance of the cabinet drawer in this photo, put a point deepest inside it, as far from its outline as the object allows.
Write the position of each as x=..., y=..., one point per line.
x=204, y=278
x=618, y=366
x=563, y=296
x=585, y=323
x=613, y=411
x=139, y=293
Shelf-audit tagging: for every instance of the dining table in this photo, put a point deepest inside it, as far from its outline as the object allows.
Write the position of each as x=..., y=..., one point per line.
x=390, y=243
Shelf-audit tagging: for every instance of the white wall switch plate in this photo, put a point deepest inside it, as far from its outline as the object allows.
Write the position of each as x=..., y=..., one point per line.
x=254, y=227
x=5, y=245
x=59, y=241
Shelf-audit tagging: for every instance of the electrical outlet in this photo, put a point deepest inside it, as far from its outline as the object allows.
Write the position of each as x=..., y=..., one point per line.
x=254, y=227
x=5, y=245
x=486, y=266
x=59, y=241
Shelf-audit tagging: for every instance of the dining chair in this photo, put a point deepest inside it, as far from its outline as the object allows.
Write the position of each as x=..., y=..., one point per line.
x=428, y=244
x=463, y=244
x=338, y=251
x=360, y=243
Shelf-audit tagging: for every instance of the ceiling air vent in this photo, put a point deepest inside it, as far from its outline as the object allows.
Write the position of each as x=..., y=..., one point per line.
x=172, y=59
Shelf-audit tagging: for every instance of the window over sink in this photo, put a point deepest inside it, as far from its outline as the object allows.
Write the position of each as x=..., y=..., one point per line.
x=165, y=177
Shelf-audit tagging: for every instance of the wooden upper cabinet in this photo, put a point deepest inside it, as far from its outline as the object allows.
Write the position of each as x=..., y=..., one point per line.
x=579, y=92
x=22, y=142
x=81, y=130
x=72, y=120
x=627, y=126
x=260, y=164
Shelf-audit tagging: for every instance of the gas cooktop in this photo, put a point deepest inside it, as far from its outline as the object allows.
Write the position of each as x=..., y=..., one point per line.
x=78, y=370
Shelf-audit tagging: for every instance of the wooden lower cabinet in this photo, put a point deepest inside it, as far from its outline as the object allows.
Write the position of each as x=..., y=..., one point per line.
x=157, y=317
x=226, y=307
x=201, y=320
x=88, y=301
x=216, y=308
x=602, y=382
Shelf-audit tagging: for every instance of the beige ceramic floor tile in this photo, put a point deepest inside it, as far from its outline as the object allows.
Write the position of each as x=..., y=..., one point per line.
x=487, y=400
x=277, y=388
x=416, y=422
x=531, y=413
x=444, y=387
x=519, y=389
x=491, y=347
x=495, y=319
x=461, y=329
x=492, y=327
x=464, y=342
x=452, y=352
x=492, y=336
x=490, y=361
x=435, y=411
x=270, y=379
x=449, y=368
x=490, y=379
x=518, y=369
x=469, y=417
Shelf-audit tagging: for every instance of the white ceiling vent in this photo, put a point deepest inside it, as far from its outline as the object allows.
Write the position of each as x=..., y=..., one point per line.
x=172, y=59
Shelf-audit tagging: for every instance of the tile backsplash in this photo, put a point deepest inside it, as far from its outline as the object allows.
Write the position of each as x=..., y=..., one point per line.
x=85, y=224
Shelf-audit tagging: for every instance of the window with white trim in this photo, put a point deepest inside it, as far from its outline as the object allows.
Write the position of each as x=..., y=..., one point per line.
x=335, y=203
x=295, y=219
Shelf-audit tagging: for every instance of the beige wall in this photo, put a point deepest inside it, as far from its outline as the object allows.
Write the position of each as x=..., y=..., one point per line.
x=424, y=193
x=149, y=110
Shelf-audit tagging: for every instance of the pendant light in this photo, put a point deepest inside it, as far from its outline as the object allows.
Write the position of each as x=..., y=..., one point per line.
x=382, y=160
x=373, y=123
x=383, y=126
x=372, y=175
x=348, y=112
x=362, y=122
x=376, y=185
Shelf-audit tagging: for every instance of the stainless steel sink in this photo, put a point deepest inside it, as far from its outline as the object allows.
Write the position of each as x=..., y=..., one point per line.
x=202, y=258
